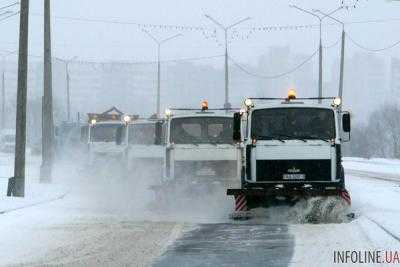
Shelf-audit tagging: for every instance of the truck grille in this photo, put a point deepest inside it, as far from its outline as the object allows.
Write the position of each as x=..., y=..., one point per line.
x=212, y=169
x=275, y=170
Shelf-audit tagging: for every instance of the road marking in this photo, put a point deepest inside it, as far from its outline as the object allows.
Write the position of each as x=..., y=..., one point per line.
x=384, y=229
x=34, y=204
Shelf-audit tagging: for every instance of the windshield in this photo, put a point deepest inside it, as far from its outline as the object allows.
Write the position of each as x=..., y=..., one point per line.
x=104, y=132
x=203, y=130
x=293, y=123
x=142, y=134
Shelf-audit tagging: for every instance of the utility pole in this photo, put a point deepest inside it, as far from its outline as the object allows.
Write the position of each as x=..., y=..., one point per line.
x=47, y=106
x=20, y=126
x=159, y=43
x=320, y=19
x=68, y=77
x=227, y=104
x=68, y=83
x=341, y=77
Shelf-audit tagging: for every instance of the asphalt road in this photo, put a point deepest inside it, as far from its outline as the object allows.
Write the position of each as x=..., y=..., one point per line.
x=231, y=245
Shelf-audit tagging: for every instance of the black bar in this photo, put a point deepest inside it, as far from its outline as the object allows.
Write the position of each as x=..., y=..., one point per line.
x=284, y=192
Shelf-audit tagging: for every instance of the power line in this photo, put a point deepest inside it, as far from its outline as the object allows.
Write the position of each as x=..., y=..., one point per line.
x=179, y=59
x=9, y=16
x=242, y=68
x=122, y=22
x=10, y=5
x=202, y=28
x=333, y=44
x=371, y=49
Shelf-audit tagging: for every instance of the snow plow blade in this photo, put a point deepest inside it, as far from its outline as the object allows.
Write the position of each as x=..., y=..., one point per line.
x=250, y=198
x=289, y=192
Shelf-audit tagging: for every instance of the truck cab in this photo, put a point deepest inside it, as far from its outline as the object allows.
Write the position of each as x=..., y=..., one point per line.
x=291, y=149
x=101, y=134
x=199, y=147
x=145, y=144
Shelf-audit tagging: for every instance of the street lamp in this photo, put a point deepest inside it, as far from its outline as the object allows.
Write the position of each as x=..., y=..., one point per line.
x=340, y=94
x=320, y=18
x=159, y=43
x=225, y=29
x=68, y=80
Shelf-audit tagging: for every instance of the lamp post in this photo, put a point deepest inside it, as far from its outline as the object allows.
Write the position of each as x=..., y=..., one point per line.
x=341, y=78
x=47, y=103
x=226, y=29
x=320, y=19
x=159, y=43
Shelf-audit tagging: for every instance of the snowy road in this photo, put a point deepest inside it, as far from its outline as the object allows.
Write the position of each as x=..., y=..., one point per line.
x=98, y=229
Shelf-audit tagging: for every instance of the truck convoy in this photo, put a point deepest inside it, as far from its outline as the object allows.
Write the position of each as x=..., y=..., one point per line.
x=199, y=151
x=291, y=151
x=145, y=147
x=100, y=135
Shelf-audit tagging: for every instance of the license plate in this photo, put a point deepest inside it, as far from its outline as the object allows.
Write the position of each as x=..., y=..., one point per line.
x=294, y=176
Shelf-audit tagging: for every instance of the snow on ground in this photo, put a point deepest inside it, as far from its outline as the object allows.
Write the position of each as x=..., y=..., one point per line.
x=35, y=192
x=372, y=199
x=80, y=241
x=105, y=221
x=98, y=222
x=388, y=167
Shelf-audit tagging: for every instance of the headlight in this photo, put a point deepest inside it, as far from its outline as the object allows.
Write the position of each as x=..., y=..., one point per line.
x=248, y=102
x=127, y=118
x=337, y=101
x=168, y=112
x=93, y=121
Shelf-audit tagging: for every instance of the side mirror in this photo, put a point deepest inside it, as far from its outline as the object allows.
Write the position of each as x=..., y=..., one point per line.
x=84, y=134
x=346, y=126
x=118, y=137
x=237, y=119
x=158, y=133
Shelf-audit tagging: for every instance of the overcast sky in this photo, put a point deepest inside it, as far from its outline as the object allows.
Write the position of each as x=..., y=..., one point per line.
x=103, y=42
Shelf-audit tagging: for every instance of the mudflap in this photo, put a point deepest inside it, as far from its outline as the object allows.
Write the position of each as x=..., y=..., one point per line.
x=241, y=211
x=251, y=198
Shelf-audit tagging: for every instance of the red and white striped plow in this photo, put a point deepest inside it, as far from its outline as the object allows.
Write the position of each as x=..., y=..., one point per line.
x=346, y=196
x=241, y=210
x=240, y=203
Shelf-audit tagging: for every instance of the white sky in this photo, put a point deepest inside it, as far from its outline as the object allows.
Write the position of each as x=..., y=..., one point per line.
x=98, y=41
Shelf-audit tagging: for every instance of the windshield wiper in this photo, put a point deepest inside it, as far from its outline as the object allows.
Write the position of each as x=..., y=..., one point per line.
x=304, y=137
x=270, y=137
x=315, y=138
x=292, y=137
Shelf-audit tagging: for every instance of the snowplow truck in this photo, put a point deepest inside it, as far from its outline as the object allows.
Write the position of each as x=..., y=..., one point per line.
x=291, y=150
x=200, y=155
x=101, y=133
